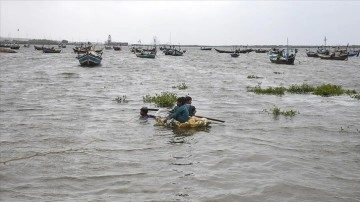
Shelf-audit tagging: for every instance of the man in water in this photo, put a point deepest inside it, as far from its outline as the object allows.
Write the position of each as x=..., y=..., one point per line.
x=144, y=113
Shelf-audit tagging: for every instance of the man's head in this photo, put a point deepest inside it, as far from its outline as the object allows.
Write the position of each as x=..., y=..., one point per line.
x=144, y=111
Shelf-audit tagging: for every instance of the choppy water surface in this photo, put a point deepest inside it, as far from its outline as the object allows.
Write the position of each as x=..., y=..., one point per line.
x=64, y=138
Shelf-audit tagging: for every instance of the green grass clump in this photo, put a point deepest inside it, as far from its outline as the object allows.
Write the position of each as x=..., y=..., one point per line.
x=165, y=99
x=270, y=90
x=276, y=111
x=301, y=89
x=181, y=86
x=327, y=90
x=121, y=99
x=356, y=96
x=253, y=77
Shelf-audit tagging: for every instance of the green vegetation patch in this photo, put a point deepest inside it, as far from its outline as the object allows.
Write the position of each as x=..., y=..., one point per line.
x=121, y=99
x=301, y=89
x=181, y=86
x=276, y=111
x=270, y=90
x=356, y=96
x=165, y=99
x=327, y=90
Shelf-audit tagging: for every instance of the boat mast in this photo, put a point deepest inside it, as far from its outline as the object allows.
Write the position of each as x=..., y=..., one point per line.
x=287, y=48
x=325, y=42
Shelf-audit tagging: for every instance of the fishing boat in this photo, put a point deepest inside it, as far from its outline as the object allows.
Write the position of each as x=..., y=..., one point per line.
x=282, y=57
x=146, y=54
x=168, y=51
x=51, y=50
x=177, y=53
x=260, y=50
x=353, y=53
x=38, y=47
x=204, y=48
x=15, y=46
x=334, y=56
x=311, y=53
x=6, y=50
x=225, y=51
x=90, y=58
x=234, y=55
x=117, y=48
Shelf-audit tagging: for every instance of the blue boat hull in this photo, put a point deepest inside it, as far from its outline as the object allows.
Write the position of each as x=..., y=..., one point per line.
x=89, y=60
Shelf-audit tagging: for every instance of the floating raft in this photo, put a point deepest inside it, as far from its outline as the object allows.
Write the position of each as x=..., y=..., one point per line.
x=194, y=122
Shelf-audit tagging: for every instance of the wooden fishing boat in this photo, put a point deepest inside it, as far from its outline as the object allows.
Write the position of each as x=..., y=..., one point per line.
x=225, y=51
x=15, y=46
x=168, y=51
x=90, y=58
x=51, y=50
x=117, y=48
x=177, y=52
x=38, y=47
x=311, y=53
x=6, y=50
x=282, y=57
x=145, y=54
x=204, y=48
x=334, y=56
x=284, y=60
x=234, y=55
x=353, y=53
x=260, y=51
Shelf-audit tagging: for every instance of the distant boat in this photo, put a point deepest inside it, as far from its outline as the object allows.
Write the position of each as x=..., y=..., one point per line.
x=108, y=47
x=353, y=53
x=146, y=54
x=311, y=54
x=260, y=50
x=225, y=51
x=51, y=50
x=234, y=55
x=333, y=56
x=15, y=46
x=38, y=47
x=90, y=58
x=26, y=45
x=204, y=48
x=282, y=57
x=177, y=52
x=117, y=48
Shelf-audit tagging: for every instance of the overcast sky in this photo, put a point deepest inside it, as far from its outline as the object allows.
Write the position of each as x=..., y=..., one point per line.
x=185, y=22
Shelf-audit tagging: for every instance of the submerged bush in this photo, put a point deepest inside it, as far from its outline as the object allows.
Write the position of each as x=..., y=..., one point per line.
x=253, y=77
x=276, y=111
x=165, y=99
x=121, y=99
x=181, y=86
x=270, y=90
x=327, y=90
x=301, y=89
x=356, y=96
